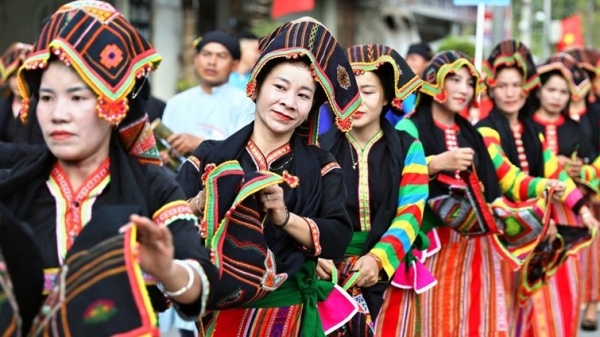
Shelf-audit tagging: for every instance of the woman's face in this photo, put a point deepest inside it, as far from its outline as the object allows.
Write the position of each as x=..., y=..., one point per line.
x=285, y=98
x=554, y=95
x=373, y=100
x=460, y=89
x=68, y=117
x=508, y=93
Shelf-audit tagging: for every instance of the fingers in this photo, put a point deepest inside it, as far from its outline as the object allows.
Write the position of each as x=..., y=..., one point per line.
x=323, y=270
x=369, y=272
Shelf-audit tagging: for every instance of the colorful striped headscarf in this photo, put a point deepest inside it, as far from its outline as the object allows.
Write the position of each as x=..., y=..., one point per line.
x=373, y=56
x=306, y=37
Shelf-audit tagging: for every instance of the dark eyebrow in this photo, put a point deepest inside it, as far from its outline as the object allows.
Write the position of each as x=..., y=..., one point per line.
x=288, y=82
x=69, y=90
x=367, y=86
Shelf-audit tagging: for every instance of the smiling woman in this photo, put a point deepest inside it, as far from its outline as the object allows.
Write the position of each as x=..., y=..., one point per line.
x=271, y=236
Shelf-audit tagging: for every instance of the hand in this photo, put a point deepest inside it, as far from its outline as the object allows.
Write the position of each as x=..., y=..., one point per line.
x=271, y=202
x=588, y=219
x=324, y=268
x=575, y=168
x=559, y=188
x=551, y=232
x=369, y=271
x=453, y=160
x=164, y=157
x=184, y=143
x=563, y=160
x=197, y=203
x=155, y=249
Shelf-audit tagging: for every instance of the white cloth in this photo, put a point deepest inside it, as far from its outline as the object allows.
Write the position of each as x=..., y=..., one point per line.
x=209, y=116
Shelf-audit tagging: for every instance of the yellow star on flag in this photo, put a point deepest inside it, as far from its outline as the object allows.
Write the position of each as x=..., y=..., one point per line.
x=569, y=39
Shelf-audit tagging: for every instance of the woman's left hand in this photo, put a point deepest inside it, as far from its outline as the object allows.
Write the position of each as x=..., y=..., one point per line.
x=272, y=202
x=369, y=271
x=156, y=248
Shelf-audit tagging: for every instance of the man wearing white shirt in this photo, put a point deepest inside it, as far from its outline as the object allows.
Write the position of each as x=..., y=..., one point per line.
x=213, y=109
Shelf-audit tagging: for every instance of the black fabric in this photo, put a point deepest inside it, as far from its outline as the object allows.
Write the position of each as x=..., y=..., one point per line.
x=434, y=143
x=570, y=139
x=590, y=125
x=27, y=138
x=310, y=199
x=531, y=141
x=219, y=36
x=385, y=173
x=24, y=264
x=154, y=108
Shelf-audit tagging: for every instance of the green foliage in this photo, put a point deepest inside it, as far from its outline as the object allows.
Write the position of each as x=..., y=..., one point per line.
x=264, y=27
x=458, y=43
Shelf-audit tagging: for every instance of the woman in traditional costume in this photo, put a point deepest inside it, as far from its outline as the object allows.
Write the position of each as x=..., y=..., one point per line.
x=386, y=179
x=555, y=309
x=469, y=299
x=71, y=203
x=511, y=76
x=587, y=113
x=266, y=238
x=17, y=139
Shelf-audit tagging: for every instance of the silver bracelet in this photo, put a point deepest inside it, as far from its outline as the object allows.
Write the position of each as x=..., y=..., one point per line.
x=187, y=287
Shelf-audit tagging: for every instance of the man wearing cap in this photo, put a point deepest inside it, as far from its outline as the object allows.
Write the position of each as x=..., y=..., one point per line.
x=417, y=57
x=214, y=109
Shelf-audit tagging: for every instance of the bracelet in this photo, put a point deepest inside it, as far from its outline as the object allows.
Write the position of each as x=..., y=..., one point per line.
x=200, y=209
x=285, y=221
x=187, y=287
x=377, y=259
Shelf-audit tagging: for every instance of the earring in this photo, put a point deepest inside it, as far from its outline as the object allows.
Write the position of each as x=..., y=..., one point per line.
x=251, y=89
x=441, y=97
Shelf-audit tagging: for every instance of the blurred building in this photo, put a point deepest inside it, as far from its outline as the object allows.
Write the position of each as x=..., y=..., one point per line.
x=172, y=25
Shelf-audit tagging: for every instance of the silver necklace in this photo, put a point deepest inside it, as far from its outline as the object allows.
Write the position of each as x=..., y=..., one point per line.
x=282, y=165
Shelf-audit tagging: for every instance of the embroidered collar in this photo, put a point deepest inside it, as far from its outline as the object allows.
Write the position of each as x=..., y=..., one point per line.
x=264, y=162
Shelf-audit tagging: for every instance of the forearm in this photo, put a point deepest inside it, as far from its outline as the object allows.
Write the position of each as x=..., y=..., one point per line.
x=177, y=281
x=299, y=229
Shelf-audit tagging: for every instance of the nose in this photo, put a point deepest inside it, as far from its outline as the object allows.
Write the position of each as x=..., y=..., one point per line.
x=60, y=112
x=288, y=99
x=512, y=91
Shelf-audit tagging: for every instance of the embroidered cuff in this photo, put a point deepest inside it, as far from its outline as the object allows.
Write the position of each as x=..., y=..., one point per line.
x=173, y=211
x=190, y=312
x=316, y=238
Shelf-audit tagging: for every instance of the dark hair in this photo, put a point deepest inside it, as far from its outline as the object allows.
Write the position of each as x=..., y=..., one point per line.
x=534, y=102
x=318, y=98
x=385, y=73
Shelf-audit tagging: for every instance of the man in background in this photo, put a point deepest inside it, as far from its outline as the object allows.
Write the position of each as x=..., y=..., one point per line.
x=214, y=109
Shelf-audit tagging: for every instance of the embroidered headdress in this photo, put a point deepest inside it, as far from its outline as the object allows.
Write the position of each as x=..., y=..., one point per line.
x=101, y=46
x=12, y=59
x=307, y=37
x=577, y=80
x=444, y=63
x=511, y=53
x=373, y=57
x=110, y=56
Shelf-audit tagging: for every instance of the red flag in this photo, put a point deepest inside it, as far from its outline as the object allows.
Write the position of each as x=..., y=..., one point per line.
x=285, y=7
x=571, y=33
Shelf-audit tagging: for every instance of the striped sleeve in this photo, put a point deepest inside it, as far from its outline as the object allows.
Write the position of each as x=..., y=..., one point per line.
x=412, y=194
x=513, y=182
x=552, y=169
